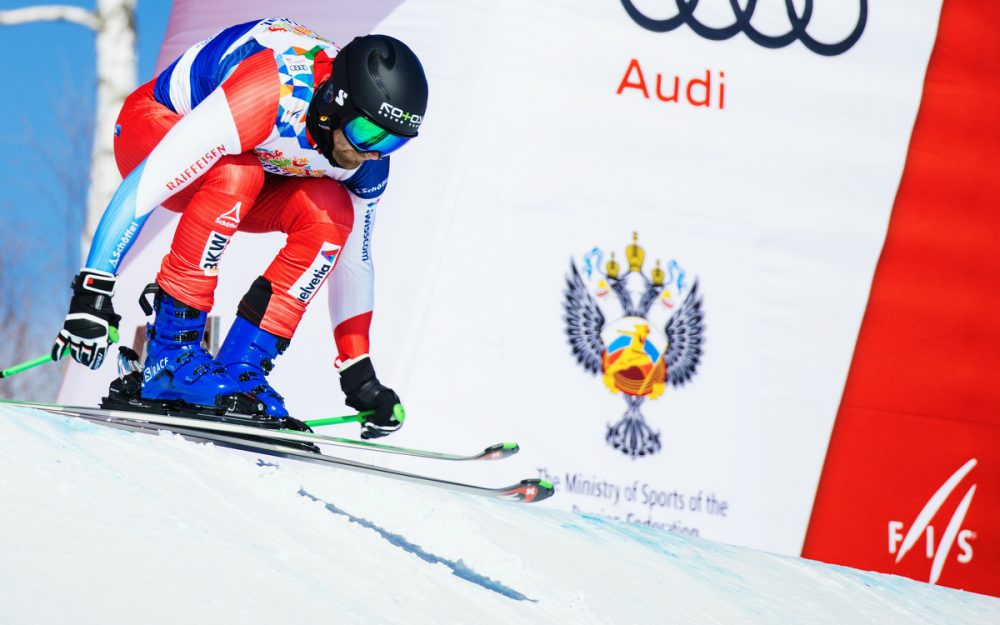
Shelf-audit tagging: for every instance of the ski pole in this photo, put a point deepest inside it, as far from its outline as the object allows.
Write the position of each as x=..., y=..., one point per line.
x=397, y=412
x=41, y=360
x=354, y=418
x=24, y=366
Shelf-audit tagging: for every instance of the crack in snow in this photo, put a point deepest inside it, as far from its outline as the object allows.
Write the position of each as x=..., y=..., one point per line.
x=458, y=568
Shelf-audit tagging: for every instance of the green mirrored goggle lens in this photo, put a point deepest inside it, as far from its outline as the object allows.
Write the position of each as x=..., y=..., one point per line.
x=366, y=136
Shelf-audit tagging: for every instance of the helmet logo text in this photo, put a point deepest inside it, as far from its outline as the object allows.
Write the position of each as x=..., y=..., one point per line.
x=397, y=114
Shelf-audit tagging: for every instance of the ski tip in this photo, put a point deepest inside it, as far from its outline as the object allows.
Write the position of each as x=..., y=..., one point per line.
x=499, y=451
x=531, y=491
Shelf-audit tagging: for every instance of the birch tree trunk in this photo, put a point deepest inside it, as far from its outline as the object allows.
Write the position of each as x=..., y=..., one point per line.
x=116, y=78
x=114, y=24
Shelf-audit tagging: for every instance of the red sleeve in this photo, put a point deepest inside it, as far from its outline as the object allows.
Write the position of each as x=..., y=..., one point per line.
x=253, y=91
x=351, y=336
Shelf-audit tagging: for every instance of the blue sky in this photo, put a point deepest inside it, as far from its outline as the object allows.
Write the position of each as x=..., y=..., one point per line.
x=47, y=72
x=48, y=77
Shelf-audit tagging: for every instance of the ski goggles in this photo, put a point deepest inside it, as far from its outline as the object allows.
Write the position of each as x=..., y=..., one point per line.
x=366, y=136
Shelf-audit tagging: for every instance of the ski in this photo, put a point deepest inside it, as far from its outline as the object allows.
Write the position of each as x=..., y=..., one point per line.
x=238, y=425
x=525, y=491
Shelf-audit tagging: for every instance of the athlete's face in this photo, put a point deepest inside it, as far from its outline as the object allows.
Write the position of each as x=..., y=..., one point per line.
x=345, y=154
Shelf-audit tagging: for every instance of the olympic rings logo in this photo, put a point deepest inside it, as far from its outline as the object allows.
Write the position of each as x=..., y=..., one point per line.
x=741, y=24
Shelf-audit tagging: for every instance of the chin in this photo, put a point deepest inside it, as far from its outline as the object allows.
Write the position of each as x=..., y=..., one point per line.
x=346, y=163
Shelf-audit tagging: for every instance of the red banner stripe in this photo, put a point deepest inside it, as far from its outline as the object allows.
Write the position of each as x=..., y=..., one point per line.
x=922, y=398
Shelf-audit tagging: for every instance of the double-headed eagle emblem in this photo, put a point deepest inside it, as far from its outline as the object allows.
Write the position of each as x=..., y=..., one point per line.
x=634, y=357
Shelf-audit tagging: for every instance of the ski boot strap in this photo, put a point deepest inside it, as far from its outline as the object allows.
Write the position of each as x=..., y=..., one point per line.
x=187, y=336
x=151, y=289
x=181, y=311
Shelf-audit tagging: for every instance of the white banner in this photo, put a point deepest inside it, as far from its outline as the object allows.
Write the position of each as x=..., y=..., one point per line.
x=754, y=154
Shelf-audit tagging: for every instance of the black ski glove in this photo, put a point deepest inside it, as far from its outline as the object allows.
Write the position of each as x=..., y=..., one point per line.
x=365, y=393
x=91, y=325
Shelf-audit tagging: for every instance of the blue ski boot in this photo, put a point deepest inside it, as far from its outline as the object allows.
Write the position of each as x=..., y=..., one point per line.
x=248, y=354
x=177, y=366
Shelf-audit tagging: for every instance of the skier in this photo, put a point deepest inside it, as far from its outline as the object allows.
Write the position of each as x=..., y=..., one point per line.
x=263, y=127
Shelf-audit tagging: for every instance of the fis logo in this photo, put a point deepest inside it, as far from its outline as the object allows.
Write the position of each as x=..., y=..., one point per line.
x=211, y=256
x=341, y=97
x=308, y=284
x=921, y=527
x=232, y=218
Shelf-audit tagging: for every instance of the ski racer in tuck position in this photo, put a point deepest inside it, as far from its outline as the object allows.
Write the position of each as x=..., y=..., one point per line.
x=263, y=127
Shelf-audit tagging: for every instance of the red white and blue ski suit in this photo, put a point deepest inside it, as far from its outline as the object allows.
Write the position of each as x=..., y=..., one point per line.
x=220, y=137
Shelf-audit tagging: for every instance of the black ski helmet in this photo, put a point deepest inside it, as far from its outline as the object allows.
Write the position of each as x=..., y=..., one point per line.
x=377, y=77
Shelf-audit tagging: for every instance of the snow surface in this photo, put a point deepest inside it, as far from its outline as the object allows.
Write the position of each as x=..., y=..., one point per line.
x=105, y=526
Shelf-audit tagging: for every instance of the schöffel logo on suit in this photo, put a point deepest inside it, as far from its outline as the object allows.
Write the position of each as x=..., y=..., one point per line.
x=123, y=243
x=309, y=283
x=708, y=26
x=953, y=543
x=230, y=219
